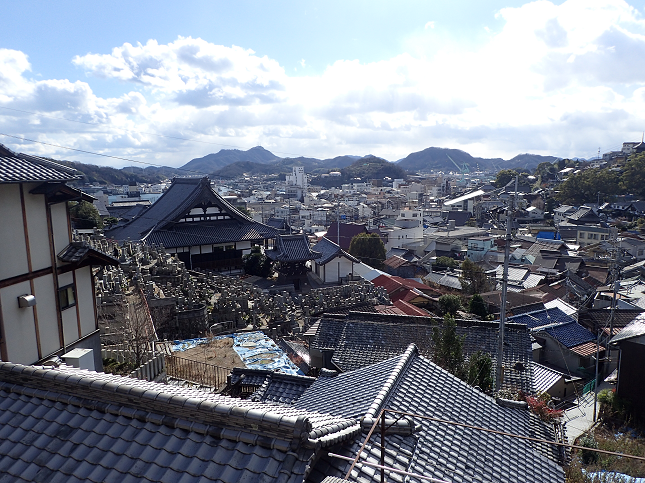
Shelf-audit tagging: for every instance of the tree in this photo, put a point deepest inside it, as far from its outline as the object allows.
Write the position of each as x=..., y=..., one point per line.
x=445, y=262
x=584, y=187
x=257, y=263
x=480, y=371
x=633, y=175
x=85, y=215
x=473, y=278
x=369, y=249
x=448, y=350
x=477, y=306
x=504, y=177
x=449, y=304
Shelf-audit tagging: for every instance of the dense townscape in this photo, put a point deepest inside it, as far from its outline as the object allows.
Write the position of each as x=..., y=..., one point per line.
x=362, y=321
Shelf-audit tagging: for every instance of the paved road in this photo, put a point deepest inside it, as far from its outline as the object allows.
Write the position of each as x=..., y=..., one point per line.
x=579, y=419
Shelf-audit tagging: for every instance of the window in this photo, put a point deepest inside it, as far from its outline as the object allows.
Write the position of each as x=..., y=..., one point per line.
x=230, y=247
x=66, y=296
x=589, y=236
x=582, y=234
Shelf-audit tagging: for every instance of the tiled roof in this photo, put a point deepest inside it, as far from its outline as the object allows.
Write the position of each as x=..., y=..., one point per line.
x=188, y=234
x=363, y=339
x=70, y=425
x=395, y=261
x=587, y=349
x=571, y=334
x=292, y=248
x=159, y=223
x=78, y=253
x=595, y=319
x=347, y=232
x=544, y=377
x=330, y=250
x=413, y=384
x=409, y=309
x=21, y=168
x=542, y=317
x=272, y=386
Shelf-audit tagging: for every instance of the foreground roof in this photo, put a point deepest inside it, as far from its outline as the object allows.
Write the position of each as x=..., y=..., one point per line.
x=70, y=425
x=330, y=250
x=361, y=339
x=413, y=384
x=23, y=168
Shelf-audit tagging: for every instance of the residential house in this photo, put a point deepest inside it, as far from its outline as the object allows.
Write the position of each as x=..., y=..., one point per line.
x=631, y=342
x=342, y=233
x=47, y=303
x=334, y=262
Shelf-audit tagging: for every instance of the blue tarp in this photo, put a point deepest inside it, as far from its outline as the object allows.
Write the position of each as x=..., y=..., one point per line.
x=256, y=350
x=549, y=235
x=612, y=477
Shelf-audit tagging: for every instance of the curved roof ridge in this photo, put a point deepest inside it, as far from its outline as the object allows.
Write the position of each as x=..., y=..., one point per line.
x=392, y=380
x=160, y=401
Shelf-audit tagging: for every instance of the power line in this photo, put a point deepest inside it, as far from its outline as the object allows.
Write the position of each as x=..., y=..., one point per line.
x=106, y=155
x=138, y=132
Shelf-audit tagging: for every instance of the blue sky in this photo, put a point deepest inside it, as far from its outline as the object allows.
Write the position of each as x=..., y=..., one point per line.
x=321, y=79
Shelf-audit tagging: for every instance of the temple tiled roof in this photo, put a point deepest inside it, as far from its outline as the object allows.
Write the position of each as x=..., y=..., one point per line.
x=161, y=222
x=292, y=248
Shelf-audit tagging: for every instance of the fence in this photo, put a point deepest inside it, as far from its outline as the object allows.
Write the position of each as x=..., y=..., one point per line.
x=151, y=369
x=196, y=372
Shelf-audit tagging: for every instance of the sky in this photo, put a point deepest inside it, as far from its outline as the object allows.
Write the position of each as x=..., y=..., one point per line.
x=165, y=82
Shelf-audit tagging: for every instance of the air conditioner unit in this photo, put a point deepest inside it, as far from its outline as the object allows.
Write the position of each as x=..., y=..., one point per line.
x=80, y=358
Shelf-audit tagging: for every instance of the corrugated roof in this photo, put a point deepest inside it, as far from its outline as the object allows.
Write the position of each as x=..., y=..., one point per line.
x=636, y=328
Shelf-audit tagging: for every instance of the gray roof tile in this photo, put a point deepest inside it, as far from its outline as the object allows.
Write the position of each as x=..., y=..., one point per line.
x=21, y=168
x=63, y=434
x=437, y=450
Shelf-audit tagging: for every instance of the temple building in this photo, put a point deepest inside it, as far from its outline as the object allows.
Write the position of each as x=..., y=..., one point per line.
x=196, y=223
x=292, y=252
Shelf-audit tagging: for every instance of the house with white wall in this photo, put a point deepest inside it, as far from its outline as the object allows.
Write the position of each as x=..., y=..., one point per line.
x=47, y=302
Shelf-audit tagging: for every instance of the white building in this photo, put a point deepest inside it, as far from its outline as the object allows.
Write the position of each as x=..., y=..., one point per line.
x=47, y=301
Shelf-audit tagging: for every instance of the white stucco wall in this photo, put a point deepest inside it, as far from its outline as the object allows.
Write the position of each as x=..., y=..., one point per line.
x=85, y=298
x=60, y=227
x=13, y=260
x=47, y=317
x=37, y=228
x=20, y=332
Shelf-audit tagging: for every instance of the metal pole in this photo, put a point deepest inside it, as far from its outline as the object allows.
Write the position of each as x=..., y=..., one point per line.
x=595, y=385
x=499, y=376
x=383, y=447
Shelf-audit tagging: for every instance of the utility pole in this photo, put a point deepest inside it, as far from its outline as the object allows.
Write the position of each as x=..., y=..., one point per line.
x=499, y=376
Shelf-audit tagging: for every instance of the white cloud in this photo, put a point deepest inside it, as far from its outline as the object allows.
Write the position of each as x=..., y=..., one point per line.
x=554, y=79
x=429, y=25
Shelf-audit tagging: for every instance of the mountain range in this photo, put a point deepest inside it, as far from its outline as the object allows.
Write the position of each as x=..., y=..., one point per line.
x=232, y=163
x=257, y=160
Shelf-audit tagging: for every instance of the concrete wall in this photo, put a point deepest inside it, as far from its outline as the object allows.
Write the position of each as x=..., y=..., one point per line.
x=19, y=327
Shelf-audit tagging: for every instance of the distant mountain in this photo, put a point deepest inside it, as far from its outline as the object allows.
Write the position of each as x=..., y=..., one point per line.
x=284, y=166
x=365, y=169
x=529, y=161
x=441, y=159
x=212, y=162
x=106, y=175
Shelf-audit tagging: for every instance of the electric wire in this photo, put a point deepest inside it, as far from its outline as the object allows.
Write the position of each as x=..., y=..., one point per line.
x=135, y=131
